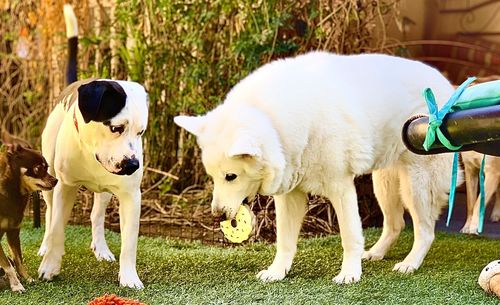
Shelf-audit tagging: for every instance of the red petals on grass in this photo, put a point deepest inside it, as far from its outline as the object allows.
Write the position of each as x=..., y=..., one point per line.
x=113, y=299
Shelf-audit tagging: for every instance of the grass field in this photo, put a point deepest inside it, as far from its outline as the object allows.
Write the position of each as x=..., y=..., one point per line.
x=176, y=272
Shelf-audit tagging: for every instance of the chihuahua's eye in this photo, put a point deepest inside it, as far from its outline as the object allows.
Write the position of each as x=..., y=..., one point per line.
x=231, y=177
x=37, y=170
x=117, y=129
x=140, y=133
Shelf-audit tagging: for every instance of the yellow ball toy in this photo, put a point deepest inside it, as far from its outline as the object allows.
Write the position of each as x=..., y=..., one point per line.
x=240, y=228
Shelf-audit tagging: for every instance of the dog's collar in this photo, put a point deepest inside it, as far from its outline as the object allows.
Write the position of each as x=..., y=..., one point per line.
x=75, y=121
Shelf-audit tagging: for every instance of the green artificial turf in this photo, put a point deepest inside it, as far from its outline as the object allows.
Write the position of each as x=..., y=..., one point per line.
x=176, y=272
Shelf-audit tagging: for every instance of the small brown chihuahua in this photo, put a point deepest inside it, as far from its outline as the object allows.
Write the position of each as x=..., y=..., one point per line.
x=22, y=171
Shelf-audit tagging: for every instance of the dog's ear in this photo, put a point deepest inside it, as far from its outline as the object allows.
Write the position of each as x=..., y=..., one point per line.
x=100, y=101
x=13, y=149
x=245, y=146
x=193, y=124
x=11, y=141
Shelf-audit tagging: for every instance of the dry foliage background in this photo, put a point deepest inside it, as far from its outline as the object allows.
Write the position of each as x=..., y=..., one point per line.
x=188, y=54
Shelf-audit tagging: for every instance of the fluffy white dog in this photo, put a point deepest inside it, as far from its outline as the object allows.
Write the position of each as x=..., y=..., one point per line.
x=310, y=124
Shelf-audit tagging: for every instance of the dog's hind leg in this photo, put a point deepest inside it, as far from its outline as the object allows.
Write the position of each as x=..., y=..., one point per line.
x=15, y=249
x=47, y=197
x=342, y=195
x=471, y=185
x=14, y=282
x=99, y=245
x=290, y=211
x=491, y=181
x=63, y=201
x=416, y=185
x=386, y=188
x=49, y=139
x=495, y=213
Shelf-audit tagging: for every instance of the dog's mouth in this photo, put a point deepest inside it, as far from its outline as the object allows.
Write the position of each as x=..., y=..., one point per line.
x=232, y=214
x=44, y=187
x=126, y=167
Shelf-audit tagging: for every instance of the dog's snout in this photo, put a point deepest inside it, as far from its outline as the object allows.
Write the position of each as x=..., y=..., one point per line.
x=129, y=166
x=217, y=212
x=53, y=181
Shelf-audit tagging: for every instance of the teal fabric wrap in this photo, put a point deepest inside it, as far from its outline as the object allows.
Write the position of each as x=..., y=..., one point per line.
x=477, y=96
x=436, y=116
x=482, y=95
x=451, y=198
x=482, y=203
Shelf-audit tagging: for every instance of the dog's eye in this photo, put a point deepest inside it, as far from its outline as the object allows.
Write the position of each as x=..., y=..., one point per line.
x=117, y=129
x=38, y=170
x=230, y=177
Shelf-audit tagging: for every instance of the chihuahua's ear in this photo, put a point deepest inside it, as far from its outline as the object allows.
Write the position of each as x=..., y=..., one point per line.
x=13, y=149
x=13, y=142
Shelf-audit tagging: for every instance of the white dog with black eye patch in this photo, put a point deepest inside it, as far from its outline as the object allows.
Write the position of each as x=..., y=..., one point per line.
x=93, y=138
x=310, y=124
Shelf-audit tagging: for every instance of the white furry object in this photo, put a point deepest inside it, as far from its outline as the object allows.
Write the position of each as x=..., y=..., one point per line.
x=71, y=21
x=310, y=124
x=488, y=272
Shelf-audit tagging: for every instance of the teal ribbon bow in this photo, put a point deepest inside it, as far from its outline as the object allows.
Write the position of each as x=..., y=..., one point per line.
x=436, y=117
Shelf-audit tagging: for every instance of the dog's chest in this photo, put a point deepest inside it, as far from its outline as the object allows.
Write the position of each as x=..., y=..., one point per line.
x=98, y=188
x=95, y=181
x=12, y=211
x=81, y=169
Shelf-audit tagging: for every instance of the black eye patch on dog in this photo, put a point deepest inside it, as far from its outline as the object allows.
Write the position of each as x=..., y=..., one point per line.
x=100, y=101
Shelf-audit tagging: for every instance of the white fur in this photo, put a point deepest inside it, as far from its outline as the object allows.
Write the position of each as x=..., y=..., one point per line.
x=71, y=155
x=310, y=124
x=472, y=163
x=71, y=21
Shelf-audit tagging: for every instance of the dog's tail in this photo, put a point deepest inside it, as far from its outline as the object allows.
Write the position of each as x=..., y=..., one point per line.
x=72, y=35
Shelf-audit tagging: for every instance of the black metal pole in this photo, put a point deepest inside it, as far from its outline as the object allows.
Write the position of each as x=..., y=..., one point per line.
x=475, y=129
x=36, y=210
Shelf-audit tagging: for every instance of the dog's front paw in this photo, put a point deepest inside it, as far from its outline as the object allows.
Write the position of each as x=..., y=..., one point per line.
x=50, y=267
x=42, y=250
x=347, y=277
x=404, y=268
x=272, y=274
x=130, y=279
x=372, y=256
x=102, y=252
x=18, y=287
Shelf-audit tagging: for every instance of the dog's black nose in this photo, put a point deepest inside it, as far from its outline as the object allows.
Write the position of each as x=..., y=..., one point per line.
x=128, y=166
x=53, y=182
